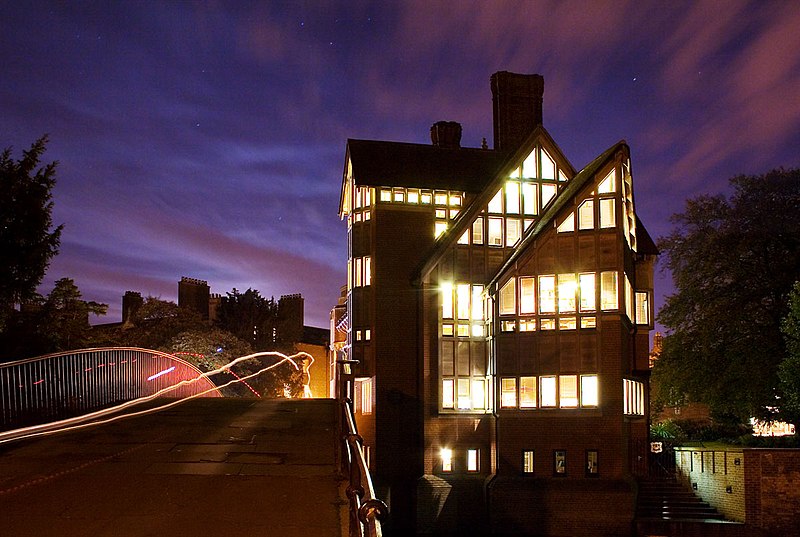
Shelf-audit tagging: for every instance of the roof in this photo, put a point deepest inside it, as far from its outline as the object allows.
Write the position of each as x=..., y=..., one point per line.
x=644, y=242
x=380, y=163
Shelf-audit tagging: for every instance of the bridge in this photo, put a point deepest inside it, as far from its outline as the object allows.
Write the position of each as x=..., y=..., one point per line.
x=195, y=463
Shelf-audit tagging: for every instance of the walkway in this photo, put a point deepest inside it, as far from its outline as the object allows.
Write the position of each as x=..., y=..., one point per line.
x=217, y=467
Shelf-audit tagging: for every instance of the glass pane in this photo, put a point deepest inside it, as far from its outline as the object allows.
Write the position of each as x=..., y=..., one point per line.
x=548, y=193
x=586, y=215
x=547, y=294
x=446, y=289
x=587, y=292
x=527, y=392
x=527, y=295
x=447, y=393
x=472, y=460
x=477, y=302
x=495, y=231
x=567, y=290
x=477, y=231
x=496, y=205
x=560, y=462
x=529, y=170
x=447, y=459
x=548, y=391
x=548, y=166
x=508, y=393
x=512, y=197
x=463, y=394
x=568, y=390
x=462, y=358
x=413, y=196
x=609, y=184
x=527, y=461
x=439, y=228
x=513, y=231
x=508, y=304
x=479, y=394
x=462, y=300
x=440, y=198
x=607, y=218
x=568, y=224
x=608, y=291
x=530, y=204
x=642, y=308
x=464, y=239
x=589, y=392
x=447, y=358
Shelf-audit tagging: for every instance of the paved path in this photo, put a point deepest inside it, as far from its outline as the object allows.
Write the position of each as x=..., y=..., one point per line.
x=209, y=467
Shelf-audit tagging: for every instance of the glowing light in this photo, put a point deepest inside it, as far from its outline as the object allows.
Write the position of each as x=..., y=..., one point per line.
x=104, y=416
x=446, y=454
x=161, y=373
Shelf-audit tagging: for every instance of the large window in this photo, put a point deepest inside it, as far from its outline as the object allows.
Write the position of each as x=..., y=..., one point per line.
x=527, y=295
x=473, y=460
x=508, y=393
x=642, y=307
x=508, y=298
x=547, y=294
x=633, y=397
x=564, y=391
x=609, y=291
x=527, y=392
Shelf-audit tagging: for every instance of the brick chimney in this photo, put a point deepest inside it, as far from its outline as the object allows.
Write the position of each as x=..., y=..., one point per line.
x=517, y=106
x=446, y=134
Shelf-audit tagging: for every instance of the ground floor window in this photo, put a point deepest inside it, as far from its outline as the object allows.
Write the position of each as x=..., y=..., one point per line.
x=527, y=461
x=633, y=397
x=592, y=463
x=560, y=462
x=473, y=460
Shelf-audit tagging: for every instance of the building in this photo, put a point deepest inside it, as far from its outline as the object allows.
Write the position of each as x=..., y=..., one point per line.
x=499, y=303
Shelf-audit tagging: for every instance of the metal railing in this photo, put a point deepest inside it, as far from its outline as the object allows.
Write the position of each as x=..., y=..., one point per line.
x=67, y=384
x=366, y=510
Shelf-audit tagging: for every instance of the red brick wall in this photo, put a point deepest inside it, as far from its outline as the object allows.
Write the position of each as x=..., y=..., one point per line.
x=772, y=490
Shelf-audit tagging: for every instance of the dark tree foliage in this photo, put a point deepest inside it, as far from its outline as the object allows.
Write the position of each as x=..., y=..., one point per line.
x=59, y=322
x=250, y=317
x=733, y=262
x=27, y=240
x=789, y=369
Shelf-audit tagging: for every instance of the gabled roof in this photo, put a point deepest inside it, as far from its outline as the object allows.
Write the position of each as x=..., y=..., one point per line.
x=380, y=163
x=465, y=219
x=573, y=187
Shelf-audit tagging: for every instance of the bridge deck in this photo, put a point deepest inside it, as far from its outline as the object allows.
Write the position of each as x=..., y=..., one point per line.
x=207, y=467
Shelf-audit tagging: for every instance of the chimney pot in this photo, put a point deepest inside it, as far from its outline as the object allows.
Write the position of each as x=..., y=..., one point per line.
x=446, y=134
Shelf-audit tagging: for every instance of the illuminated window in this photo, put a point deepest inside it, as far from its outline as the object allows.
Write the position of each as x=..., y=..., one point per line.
x=455, y=201
x=464, y=239
x=586, y=215
x=462, y=300
x=495, y=231
x=568, y=391
x=453, y=213
x=399, y=195
x=527, y=295
x=529, y=169
x=642, y=307
x=567, y=291
x=477, y=330
x=439, y=228
x=441, y=213
x=567, y=323
x=560, y=462
x=440, y=198
x=548, y=193
x=592, y=459
x=367, y=334
x=609, y=184
x=568, y=225
x=413, y=196
x=562, y=176
x=588, y=322
x=527, y=392
x=547, y=391
x=425, y=198
x=447, y=300
x=448, y=395
x=479, y=394
x=359, y=271
x=547, y=294
x=365, y=387
x=386, y=195
x=527, y=461
x=447, y=329
x=367, y=270
x=447, y=459
x=477, y=302
x=508, y=326
x=472, y=460
x=587, y=291
x=512, y=197
x=530, y=198
x=589, y=390
x=547, y=323
x=477, y=231
x=527, y=325
x=633, y=397
x=548, y=166
x=609, y=299
x=629, y=301
x=508, y=393
x=607, y=218
x=463, y=394
x=516, y=173
x=496, y=205
x=513, y=231
x=508, y=298
x=463, y=330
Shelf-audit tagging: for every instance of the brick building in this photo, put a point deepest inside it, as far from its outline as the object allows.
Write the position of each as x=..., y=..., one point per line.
x=499, y=303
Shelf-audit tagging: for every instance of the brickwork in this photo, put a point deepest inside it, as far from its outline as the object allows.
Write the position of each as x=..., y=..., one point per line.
x=718, y=476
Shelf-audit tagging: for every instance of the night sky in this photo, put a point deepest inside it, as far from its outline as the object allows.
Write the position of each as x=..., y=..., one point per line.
x=207, y=139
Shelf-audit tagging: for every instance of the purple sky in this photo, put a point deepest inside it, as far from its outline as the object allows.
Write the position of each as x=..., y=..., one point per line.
x=207, y=139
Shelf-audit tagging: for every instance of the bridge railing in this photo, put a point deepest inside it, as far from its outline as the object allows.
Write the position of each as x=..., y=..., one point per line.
x=63, y=385
x=366, y=510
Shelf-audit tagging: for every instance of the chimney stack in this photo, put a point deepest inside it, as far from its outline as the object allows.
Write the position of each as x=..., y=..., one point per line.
x=446, y=134
x=517, y=104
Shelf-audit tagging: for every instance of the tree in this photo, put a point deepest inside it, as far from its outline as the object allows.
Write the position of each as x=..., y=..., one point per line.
x=27, y=240
x=250, y=317
x=155, y=323
x=789, y=369
x=733, y=262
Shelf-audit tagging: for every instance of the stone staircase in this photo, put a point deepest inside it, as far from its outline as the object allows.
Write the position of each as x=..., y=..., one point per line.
x=666, y=507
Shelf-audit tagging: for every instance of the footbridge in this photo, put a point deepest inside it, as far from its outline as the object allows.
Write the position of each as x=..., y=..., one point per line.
x=132, y=442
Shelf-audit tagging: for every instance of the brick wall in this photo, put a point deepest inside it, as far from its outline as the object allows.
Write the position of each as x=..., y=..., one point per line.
x=760, y=487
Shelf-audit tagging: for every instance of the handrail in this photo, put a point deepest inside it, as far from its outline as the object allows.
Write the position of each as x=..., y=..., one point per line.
x=366, y=510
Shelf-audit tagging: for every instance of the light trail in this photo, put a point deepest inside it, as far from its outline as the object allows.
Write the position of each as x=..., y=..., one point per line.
x=76, y=423
x=161, y=373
